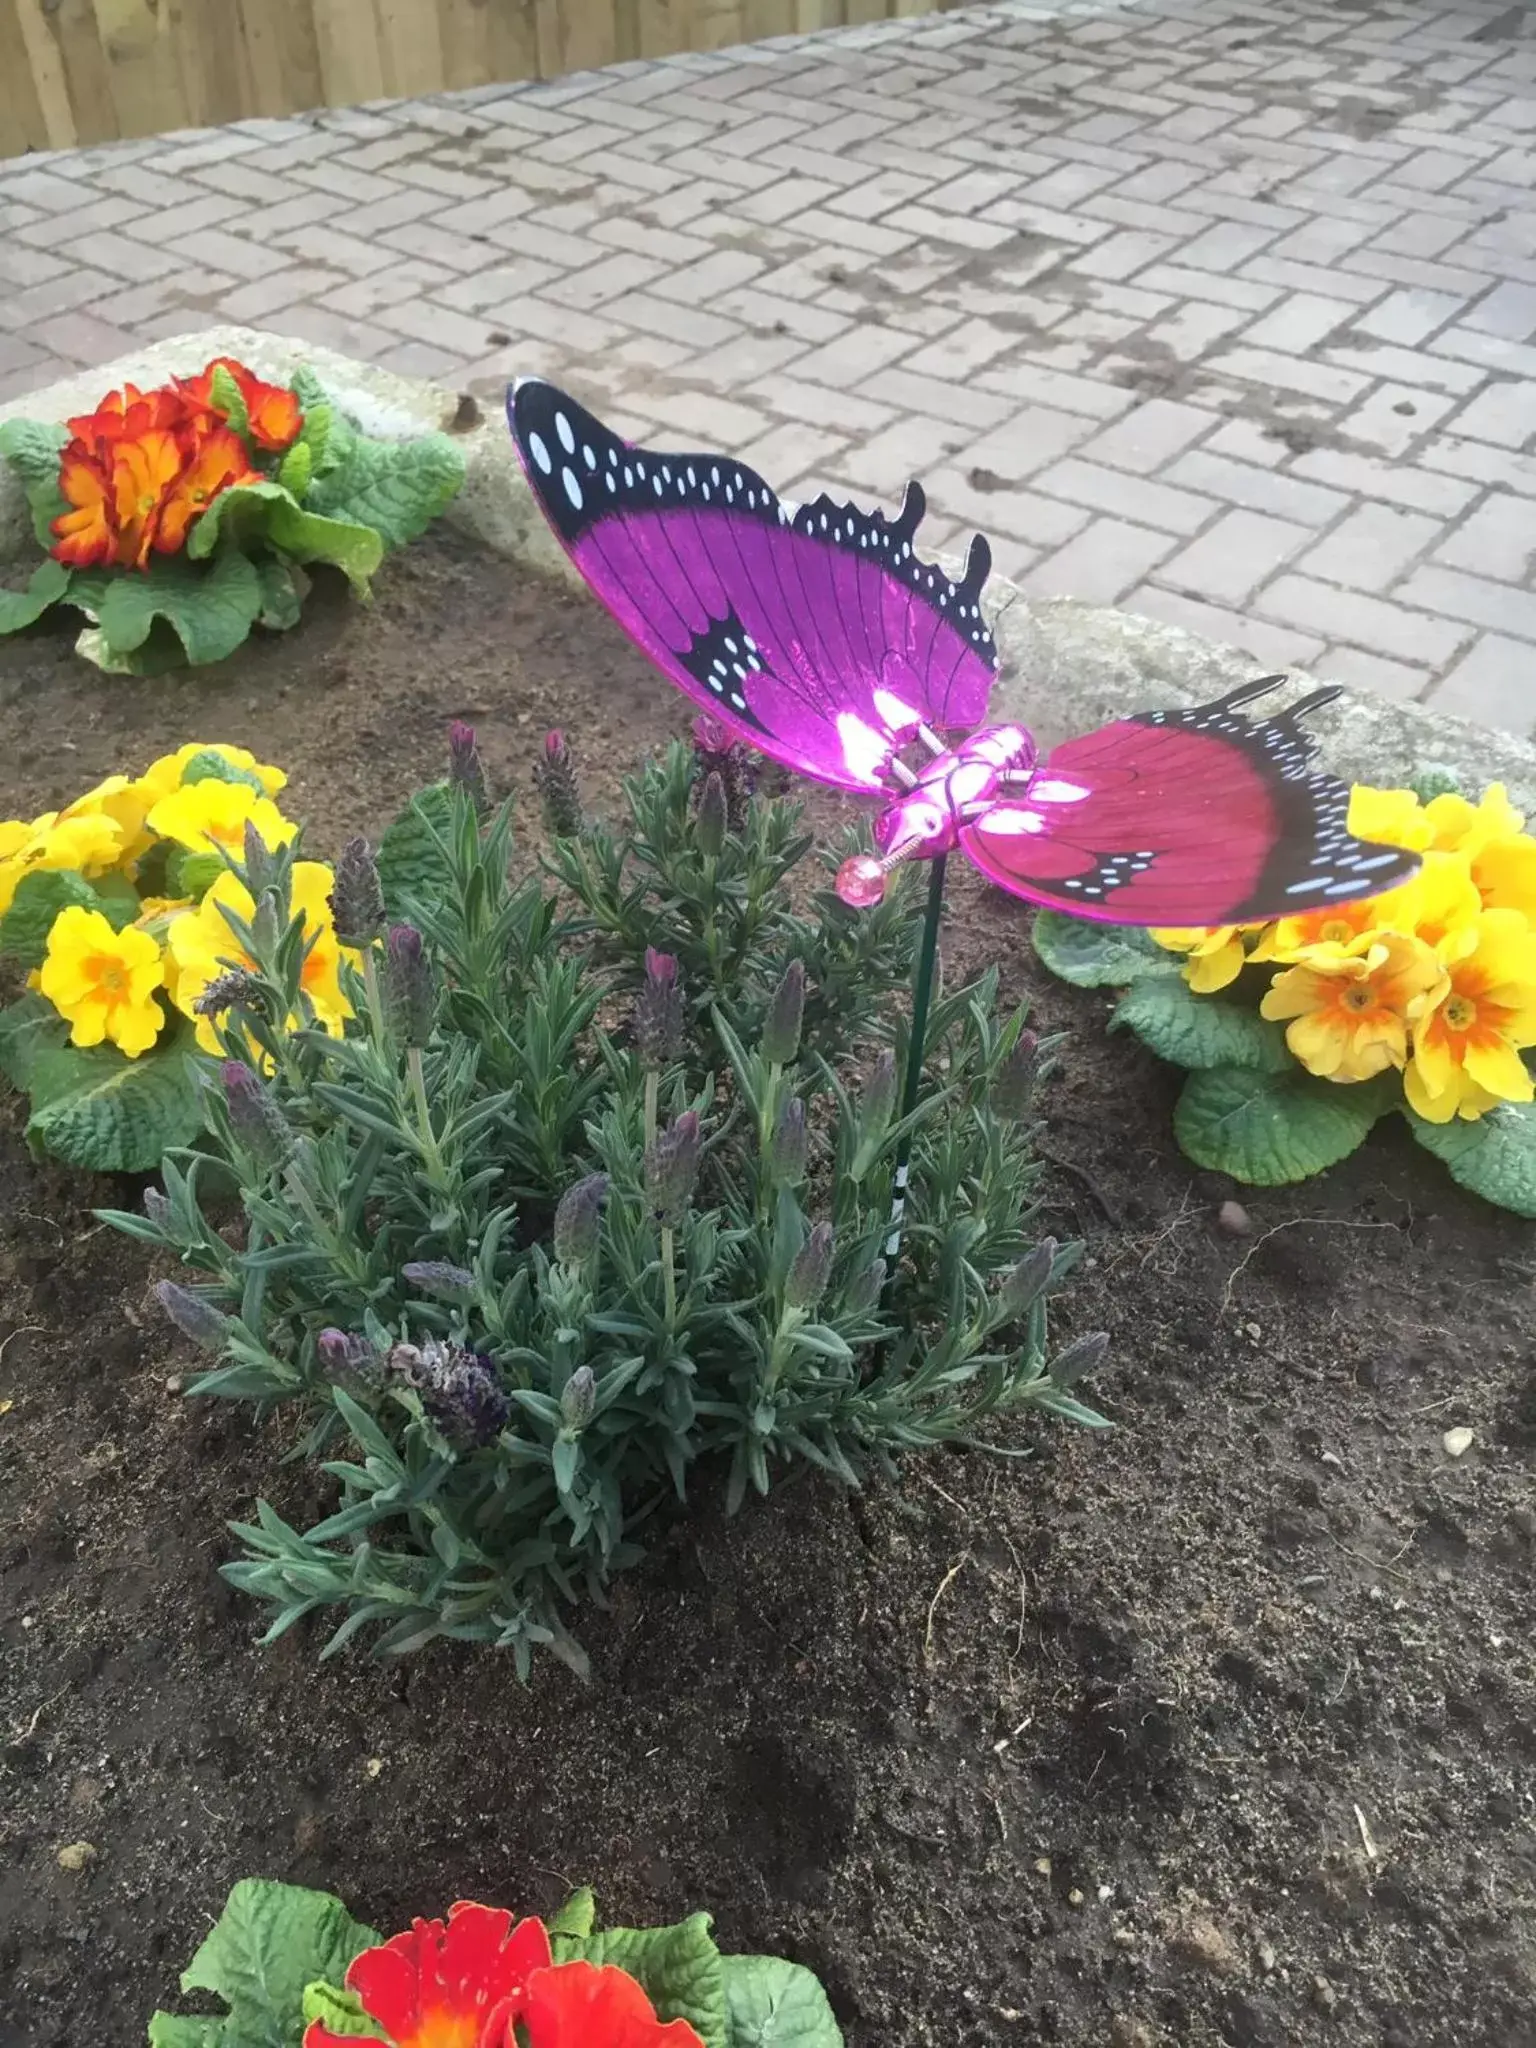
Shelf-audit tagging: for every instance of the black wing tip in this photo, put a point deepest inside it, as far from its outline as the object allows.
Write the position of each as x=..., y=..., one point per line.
x=1261, y=908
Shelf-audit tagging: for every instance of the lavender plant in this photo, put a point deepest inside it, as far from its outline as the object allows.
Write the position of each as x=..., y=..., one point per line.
x=593, y=1195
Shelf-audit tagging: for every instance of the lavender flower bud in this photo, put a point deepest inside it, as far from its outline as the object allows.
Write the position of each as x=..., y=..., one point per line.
x=554, y=777
x=880, y=1091
x=578, y=1403
x=578, y=1220
x=357, y=900
x=866, y=1289
x=1080, y=1356
x=1026, y=1282
x=1013, y=1085
x=266, y=926
x=437, y=1276
x=255, y=1118
x=234, y=990
x=786, y=1013
x=459, y=1390
x=812, y=1269
x=157, y=1209
x=193, y=1314
x=466, y=771
x=658, y=1020
x=716, y=753
x=672, y=1168
x=789, y=1146
x=260, y=867
x=349, y=1360
x=410, y=996
x=709, y=825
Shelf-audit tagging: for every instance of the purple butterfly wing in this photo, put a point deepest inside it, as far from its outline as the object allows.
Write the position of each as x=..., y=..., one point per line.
x=1184, y=818
x=813, y=633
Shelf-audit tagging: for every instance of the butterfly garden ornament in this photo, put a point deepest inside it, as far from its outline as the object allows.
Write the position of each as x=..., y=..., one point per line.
x=817, y=634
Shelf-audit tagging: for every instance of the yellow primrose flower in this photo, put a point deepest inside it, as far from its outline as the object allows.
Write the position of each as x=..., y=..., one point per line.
x=202, y=947
x=211, y=817
x=1466, y=1049
x=1216, y=953
x=1348, y=1010
x=126, y=804
x=1489, y=834
x=164, y=775
x=90, y=844
x=103, y=982
x=1458, y=825
x=1393, y=816
x=1434, y=905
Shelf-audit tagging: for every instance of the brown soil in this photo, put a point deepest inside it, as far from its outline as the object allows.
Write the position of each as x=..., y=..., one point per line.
x=1217, y=1729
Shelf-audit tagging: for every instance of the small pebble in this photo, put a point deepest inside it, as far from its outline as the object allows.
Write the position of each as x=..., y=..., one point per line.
x=173, y=1383
x=76, y=1856
x=1457, y=1442
x=1234, y=1219
x=1075, y=1897
x=1124, y=1937
x=1324, y=1997
x=374, y=1765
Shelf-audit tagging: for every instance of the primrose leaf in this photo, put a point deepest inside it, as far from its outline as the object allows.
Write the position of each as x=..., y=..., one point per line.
x=41, y=896
x=283, y=585
x=575, y=1917
x=252, y=515
x=297, y=467
x=210, y=609
x=1270, y=1129
x=33, y=448
x=411, y=865
x=395, y=487
x=774, y=2004
x=342, y=2011
x=1494, y=1156
x=1200, y=1031
x=29, y=1028
x=227, y=399
x=273, y=1944
x=22, y=608
x=1098, y=955
x=94, y=1107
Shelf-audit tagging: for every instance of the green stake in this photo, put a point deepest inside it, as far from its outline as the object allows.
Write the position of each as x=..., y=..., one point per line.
x=912, y=1080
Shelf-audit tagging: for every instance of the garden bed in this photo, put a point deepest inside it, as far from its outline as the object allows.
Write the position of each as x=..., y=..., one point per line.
x=1217, y=1729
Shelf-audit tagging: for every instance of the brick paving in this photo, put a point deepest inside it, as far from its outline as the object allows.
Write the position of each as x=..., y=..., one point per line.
x=1220, y=310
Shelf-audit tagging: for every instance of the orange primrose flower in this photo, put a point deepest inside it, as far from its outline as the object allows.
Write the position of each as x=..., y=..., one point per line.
x=142, y=473
x=458, y=1983
x=145, y=465
x=218, y=461
x=579, y=2005
x=272, y=409
x=85, y=535
x=467, y=1982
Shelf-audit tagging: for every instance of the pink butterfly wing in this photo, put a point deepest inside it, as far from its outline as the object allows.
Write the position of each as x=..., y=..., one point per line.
x=1184, y=818
x=816, y=635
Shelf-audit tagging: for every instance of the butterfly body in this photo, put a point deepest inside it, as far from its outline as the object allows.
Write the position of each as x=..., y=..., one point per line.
x=957, y=786
x=817, y=634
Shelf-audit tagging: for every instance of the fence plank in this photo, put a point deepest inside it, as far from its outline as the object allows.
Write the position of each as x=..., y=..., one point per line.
x=410, y=47
x=282, y=56
x=351, y=63
x=29, y=100
x=87, y=71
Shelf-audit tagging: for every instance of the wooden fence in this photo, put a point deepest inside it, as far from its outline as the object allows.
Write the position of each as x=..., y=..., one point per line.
x=84, y=71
